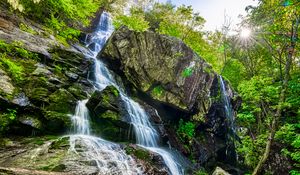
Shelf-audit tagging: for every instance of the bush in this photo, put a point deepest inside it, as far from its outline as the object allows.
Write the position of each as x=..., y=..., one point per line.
x=135, y=21
x=6, y=119
x=186, y=130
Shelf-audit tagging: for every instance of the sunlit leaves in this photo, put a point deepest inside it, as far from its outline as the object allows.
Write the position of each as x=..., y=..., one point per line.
x=135, y=21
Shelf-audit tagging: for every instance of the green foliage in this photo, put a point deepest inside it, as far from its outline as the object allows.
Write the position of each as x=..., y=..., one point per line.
x=16, y=49
x=135, y=21
x=186, y=130
x=27, y=29
x=251, y=149
x=58, y=69
x=201, y=172
x=289, y=135
x=230, y=70
x=158, y=91
x=13, y=68
x=187, y=72
x=6, y=119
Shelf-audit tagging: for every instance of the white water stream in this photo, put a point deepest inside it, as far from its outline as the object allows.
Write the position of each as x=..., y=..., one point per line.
x=227, y=105
x=105, y=152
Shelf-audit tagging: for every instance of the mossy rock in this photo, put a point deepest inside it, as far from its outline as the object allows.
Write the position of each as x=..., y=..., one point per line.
x=31, y=120
x=110, y=126
x=110, y=115
x=62, y=101
x=139, y=153
x=78, y=91
x=39, y=94
x=101, y=101
x=57, y=122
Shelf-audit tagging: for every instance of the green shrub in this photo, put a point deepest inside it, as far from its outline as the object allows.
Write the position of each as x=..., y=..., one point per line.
x=250, y=150
x=186, y=130
x=158, y=91
x=6, y=119
x=135, y=21
x=288, y=134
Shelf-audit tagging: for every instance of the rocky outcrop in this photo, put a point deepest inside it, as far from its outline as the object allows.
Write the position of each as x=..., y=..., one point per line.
x=169, y=76
x=162, y=66
x=53, y=155
x=40, y=78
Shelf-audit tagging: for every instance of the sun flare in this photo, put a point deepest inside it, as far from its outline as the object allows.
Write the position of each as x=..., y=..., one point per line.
x=245, y=33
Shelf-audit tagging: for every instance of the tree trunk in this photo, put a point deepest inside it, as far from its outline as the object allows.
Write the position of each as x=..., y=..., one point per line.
x=281, y=98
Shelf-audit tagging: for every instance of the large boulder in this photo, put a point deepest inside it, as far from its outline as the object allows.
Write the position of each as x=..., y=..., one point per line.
x=165, y=73
x=162, y=66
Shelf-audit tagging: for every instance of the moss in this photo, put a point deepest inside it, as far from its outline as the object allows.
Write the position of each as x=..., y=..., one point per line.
x=39, y=94
x=178, y=54
x=62, y=101
x=14, y=69
x=57, y=122
x=110, y=115
x=139, y=153
x=78, y=91
x=60, y=142
x=200, y=117
x=208, y=70
x=52, y=163
x=24, y=27
x=111, y=90
x=187, y=72
x=16, y=50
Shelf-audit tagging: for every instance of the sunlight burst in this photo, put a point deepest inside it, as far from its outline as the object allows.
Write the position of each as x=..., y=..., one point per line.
x=245, y=33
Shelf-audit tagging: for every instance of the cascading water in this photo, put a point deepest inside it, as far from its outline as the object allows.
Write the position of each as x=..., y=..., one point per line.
x=146, y=135
x=229, y=114
x=227, y=105
x=109, y=157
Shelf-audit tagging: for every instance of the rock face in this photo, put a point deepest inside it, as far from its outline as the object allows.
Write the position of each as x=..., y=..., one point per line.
x=51, y=78
x=108, y=116
x=162, y=66
x=169, y=76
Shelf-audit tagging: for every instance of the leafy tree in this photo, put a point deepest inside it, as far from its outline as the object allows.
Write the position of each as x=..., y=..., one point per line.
x=135, y=21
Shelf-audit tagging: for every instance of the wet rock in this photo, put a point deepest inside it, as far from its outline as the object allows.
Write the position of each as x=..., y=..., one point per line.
x=108, y=116
x=41, y=70
x=21, y=100
x=72, y=76
x=152, y=162
x=30, y=121
x=101, y=101
x=220, y=171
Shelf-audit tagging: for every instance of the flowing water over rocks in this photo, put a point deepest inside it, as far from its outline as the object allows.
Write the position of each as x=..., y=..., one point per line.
x=109, y=157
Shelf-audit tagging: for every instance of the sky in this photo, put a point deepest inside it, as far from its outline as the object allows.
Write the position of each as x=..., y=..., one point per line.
x=213, y=10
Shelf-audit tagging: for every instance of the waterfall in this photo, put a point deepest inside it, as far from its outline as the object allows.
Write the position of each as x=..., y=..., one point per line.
x=146, y=136
x=227, y=105
x=109, y=157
